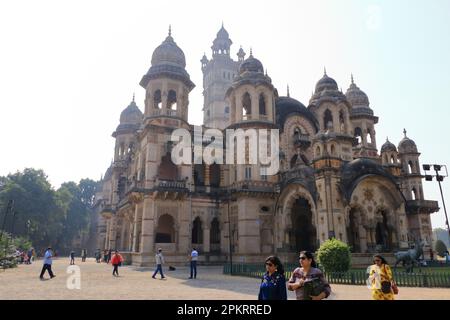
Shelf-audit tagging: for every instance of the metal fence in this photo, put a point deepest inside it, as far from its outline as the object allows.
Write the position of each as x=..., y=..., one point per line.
x=352, y=277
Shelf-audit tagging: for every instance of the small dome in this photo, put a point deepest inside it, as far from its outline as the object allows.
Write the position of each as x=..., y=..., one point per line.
x=131, y=114
x=251, y=64
x=168, y=53
x=286, y=106
x=326, y=83
x=388, y=146
x=356, y=96
x=407, y=145
x=222, y=34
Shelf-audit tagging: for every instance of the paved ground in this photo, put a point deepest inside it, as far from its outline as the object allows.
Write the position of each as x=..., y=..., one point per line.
x=136, y=283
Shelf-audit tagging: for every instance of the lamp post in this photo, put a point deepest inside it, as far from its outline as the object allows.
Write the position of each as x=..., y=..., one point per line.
x=229, y=232
x=429, y=177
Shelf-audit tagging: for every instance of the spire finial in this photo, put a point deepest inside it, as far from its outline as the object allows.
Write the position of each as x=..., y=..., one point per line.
x=170, y=30
x=266, y=72
x=251, y=51
x=387, y=139
x=133, y=96
x=324, y=71
x=288, y=91
x=404, y=132
x=222, y=23
x=352, y=79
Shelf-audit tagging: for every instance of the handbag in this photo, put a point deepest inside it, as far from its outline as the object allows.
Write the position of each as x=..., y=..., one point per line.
x=312, y=288
x=386, y=286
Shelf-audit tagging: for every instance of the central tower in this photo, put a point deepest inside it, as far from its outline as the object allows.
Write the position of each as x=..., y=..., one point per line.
x=218, y=74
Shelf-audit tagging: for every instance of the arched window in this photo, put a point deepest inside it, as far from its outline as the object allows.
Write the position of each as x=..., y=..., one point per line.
x=214, y=172
x=246, y=104
x=167, y=169
x=410, y=167
x=358, y=134
x=327, y=119
x=342, y=121
x=172, y=100
x=227, y=109
x=197, y=231
x=157, y=102
x=414, y=194
x=333, y=150
x=369, y=136
x=392, y=159
x=215, y=231
x=262, y=104
x=386, y=158
x=318, y=153
x=165, y=232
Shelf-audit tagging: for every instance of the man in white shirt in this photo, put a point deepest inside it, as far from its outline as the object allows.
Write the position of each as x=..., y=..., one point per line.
x=47, y=264
x=159, y=262
x=194, y=258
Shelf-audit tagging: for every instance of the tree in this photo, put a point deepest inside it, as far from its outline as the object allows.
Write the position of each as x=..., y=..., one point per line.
x=334, y=256
x=440, y=248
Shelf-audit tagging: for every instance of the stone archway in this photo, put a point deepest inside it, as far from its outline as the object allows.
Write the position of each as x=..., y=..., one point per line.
x=296, y=221
x=303, y=232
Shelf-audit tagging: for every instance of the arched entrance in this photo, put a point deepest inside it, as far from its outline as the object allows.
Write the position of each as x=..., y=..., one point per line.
x=383, y=237
x=303, y=235
x=165, y=232
x=353, y=230
x=197, y=232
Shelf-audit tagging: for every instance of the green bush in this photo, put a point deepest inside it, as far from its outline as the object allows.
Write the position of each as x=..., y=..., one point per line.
x=440, y=248
x=334, y=256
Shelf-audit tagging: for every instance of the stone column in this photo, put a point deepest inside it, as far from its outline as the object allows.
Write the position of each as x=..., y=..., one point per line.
x=135, y=228
x=147, y=238
x=206, y=239
x=113, y=233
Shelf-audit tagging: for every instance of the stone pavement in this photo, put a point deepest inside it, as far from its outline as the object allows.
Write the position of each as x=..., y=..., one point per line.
x=97, y=282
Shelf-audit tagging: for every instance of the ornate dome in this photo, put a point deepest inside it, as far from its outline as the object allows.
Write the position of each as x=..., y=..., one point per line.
x=168, y=60
x=131, y=114
x=251, y=64
x=356, y=96
x=407, y=145
x=326, y=83
x=388, y=146
x=286, y=106
x=222, y=34
x=168, y=53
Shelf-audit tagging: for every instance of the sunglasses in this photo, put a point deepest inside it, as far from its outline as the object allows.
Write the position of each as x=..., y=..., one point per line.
x=269, y=264
x=302, y=258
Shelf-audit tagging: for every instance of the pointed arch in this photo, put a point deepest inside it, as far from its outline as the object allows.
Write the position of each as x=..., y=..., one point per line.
x=262, y=104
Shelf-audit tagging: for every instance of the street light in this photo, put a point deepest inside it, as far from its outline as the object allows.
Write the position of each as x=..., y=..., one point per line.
x=439, y=177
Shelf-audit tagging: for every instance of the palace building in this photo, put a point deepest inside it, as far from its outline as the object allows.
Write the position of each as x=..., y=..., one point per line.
x=333, y=180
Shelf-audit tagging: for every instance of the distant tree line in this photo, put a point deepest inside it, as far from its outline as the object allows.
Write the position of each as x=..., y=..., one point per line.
x=43, y=215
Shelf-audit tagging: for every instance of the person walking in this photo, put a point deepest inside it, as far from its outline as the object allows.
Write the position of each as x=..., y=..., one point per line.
x=47, y=264
x=72, y=257
x=109, y=255
x=308, y=281
x=381, y=281
x=116, y=261
x=194, y=258
x=98, y=255
x=159, y=262
x=83, y=255
x=273, y=283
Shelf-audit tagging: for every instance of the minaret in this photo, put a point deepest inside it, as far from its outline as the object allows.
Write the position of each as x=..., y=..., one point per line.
x=363, y=122
x=218, y=74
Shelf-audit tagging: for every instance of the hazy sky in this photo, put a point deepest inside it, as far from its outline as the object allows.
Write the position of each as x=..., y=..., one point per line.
x=68, y=68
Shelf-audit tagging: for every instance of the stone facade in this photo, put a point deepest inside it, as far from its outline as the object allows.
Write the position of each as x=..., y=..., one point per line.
x=332, y=181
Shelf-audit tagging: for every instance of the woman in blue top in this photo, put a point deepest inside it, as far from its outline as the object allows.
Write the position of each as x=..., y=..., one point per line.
x=273, y=284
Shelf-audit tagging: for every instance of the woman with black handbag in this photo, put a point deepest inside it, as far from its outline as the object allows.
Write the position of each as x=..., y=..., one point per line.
x=381, y=281
x=308, y=281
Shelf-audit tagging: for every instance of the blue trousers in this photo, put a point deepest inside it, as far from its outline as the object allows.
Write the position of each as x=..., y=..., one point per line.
x=158, y=268
x=194, y=269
